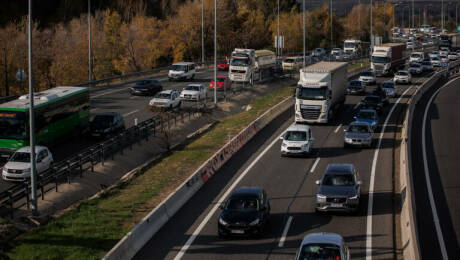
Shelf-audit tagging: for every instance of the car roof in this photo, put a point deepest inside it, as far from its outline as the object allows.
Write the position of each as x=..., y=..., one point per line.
x=196, y=85
x=367, y=110
x=359, y=123
x=298, y=127
x=222, y=77
x=323, y=238
x=168, y=91
x=389, y=81
x=340, y=167
x=26, y=149
x=247, y=190
x=405, y=71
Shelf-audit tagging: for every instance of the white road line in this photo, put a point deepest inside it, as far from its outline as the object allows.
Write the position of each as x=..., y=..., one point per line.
x=108, y=92
x=133, y=97
x=93, y=110
x=197, y=231
x=434, y=211
x=337, y=129
x=370, y=202
x=130, y=113
x=356, y=106
x=314, y=165
x=286, y=228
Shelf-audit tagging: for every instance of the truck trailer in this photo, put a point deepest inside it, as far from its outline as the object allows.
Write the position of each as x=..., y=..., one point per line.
x=320, y=91
x=387, y=58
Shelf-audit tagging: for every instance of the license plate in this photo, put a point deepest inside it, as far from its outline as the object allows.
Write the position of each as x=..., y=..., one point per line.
x=336, y=205
x=237, y=231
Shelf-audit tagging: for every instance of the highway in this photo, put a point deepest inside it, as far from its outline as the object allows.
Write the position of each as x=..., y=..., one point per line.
x=435, y=152
x=117, y=98
x=290, y=185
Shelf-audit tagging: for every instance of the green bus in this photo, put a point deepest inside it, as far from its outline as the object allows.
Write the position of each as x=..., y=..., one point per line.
x=58, y=112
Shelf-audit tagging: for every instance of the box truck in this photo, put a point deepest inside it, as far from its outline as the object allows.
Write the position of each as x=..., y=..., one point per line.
x=387, y=58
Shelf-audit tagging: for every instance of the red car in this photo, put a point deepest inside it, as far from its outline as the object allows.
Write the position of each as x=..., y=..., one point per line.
x=222, y=81
x=223, y=65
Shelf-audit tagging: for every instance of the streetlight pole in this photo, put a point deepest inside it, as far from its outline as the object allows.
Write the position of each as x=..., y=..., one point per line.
x=202, y=31
x=332, y=44
x=413, y=15
x=442, y=15
x=90, y=59
x=359, y=18
x=303, y=22
x=372, y=38
x=278, y=34
x=31, y=120
x=215, y=52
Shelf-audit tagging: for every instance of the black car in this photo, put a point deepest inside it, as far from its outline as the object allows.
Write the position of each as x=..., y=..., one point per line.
x=356, y=87
x=381, y=93
x=106, y=124
x=148, y=87
x=372, y=102
x=246, y=212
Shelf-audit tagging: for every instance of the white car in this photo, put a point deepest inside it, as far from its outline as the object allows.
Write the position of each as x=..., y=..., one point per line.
x=297, y=140
x=337, y=53
x=452, y=56
x=435, y=61
x=417, y=57
x=390, y=88
x=18, y=166
x=368, y=77
x=193, y=92
x=444, y=51
x=402, y=76
x=415, y=68
x=444, y=58
x=182, y=71
x=319, y=52
x=433, y=54
x=166, y=99
x=427, y=65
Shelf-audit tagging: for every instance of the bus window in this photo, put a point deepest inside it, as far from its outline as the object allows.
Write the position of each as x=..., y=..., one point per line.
x=13, y=125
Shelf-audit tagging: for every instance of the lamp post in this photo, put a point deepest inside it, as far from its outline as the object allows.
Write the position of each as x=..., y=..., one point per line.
x=442, y=16
x=278, y=34
x=404, y=8
x=394, y=11
x=372, y=38
x=303, y=22
x=413, y=15
x=90, y=59
x=215, y=52
x=332, y=44
x=359, y=18
x=202, y=31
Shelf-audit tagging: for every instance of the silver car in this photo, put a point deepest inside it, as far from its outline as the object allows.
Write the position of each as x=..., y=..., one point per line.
x=358, y=134
x=323, y=246
x=339, y=189
x=368, y=77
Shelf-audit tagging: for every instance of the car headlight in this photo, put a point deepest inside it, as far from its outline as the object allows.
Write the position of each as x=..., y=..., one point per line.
x=348, y=140
x=222, y=222
x=320, y=198
x=353, y=197
x=255, y=222
x=283, y=145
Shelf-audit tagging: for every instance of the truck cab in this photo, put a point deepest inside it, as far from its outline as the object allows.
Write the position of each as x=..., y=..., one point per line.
x=351, y=47
x=387, y=57
x=242, y=65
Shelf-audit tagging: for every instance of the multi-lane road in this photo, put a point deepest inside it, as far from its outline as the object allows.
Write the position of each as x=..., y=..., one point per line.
x=435, y=153
x=290, y=184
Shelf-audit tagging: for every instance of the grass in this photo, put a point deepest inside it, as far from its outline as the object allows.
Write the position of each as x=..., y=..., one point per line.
x=355, y=66
x=95, y=226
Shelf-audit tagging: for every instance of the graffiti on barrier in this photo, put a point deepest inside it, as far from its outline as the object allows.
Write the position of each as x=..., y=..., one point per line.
x=224, y=154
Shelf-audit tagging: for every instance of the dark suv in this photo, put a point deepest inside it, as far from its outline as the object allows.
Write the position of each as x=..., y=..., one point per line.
x=147, y=87
x=246, y=212
x=106, y=124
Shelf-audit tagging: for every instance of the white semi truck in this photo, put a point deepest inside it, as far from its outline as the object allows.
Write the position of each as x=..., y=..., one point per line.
x=388, y=58
x=351, y=47
x=320, y=91
x=248, y=65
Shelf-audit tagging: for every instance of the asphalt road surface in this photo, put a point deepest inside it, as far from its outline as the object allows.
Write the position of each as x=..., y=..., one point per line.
x=290, y=185
x=435, y=167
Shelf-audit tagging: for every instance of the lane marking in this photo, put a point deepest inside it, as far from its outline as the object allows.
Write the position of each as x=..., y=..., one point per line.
x=356, y=106
x=370, y=202
x=286, y=228
x=130, y=113
x=108, y=92
x=93, y=110
x=434, y=211
x=314, y=165
x=197, y=231
x=133, y=97
x=337, y=129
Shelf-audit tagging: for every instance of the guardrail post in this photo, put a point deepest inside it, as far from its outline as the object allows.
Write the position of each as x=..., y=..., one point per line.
x=42, y=190
x=182, y=116
x=80, y=162
x=175, y=120
x=69, y=171
x=92, y=159
x=189, y=115
x=56, y=183
x=112, y=149
x=154, y=127
x=26, y=184
x=130, y=138
x=102, y=154
x=120, y=142
x=169, y=119
x=10, y=200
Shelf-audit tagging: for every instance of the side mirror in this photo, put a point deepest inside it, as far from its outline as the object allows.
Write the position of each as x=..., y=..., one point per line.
x=359, y=182
x=281, y=137
x=318, y=182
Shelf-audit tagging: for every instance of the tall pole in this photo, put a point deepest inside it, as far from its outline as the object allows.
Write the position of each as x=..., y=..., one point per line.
x=202, y=31
x=372, y=38
x=31, y=120
x=359, y=18
x=442, y=15
x=215, y=52
x=394, y=11
x=90, y=59
x=278, y=34
x=332, y=45
x=303, y=22
x=413, y=15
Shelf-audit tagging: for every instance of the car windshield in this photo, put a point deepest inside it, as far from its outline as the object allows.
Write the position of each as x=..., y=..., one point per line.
x=366, y=115
x=311, y=93
x=102, y=121
x=415, y=65
x=192, y=87
x=349, y=45
x=178, y=67
x=20, y=157
x=402, y=73
x=338, y=179
x=388, y=85
x=220, y=79
x=224, y=62
x=367, y=74
x=415, y=55
x=288, y=60
x=239, y=62
x=435, y=58
x=163, y=95
x=355, y=83
x=358, y=129
x=13, y=125
x=376, y=59
x=242, y=204
x=319, y=252
x=295, y=136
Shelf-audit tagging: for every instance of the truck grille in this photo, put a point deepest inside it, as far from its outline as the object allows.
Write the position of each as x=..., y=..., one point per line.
x=378, y=68
x=311, y=112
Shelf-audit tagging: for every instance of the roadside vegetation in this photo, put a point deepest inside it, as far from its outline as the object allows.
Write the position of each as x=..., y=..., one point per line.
x=132, y=40
x=95, y=226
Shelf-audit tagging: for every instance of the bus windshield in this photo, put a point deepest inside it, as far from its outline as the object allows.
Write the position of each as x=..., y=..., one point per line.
x=13, y=125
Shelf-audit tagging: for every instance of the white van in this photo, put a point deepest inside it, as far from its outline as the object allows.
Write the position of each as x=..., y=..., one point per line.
x=182, y=71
